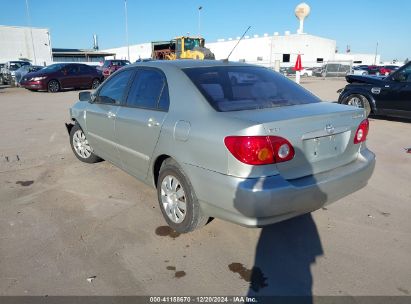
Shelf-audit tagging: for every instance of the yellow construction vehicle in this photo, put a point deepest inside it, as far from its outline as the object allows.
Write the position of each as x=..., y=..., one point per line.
x=181, y=48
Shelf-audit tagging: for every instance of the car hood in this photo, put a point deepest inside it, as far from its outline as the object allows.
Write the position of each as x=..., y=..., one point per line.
x=364, y=79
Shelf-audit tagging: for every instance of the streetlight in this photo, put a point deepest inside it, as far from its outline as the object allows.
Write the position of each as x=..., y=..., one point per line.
x=376, y=52
x=31, y=31
x=199, y=20
x=128, y=45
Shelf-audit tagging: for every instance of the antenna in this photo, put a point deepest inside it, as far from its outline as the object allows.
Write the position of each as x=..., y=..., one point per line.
x=226, y=60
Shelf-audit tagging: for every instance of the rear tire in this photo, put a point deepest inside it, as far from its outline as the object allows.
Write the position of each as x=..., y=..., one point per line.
x=359, y=101
x=80, y=146
x=177, y=199
x=53, y=86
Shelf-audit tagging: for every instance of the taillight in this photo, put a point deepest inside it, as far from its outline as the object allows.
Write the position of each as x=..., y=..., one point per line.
x=260, y=150
x=362, y=132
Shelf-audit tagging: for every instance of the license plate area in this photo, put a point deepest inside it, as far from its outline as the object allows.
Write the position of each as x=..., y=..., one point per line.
x=324, y=147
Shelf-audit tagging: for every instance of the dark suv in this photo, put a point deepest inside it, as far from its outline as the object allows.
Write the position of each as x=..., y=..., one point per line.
x=110, y=66
x=63, y=76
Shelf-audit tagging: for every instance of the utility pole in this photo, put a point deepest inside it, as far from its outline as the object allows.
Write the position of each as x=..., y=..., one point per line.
x=376, y=51
x=199, y=20
x=31, y=31
x=128, y=45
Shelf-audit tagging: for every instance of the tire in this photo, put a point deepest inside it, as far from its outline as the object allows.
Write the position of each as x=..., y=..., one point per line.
x=207, y=52
x=53, y=86
x=177, y=200
x=364, y=73
x=359, y=101
x=80, y=146
x=95, y=83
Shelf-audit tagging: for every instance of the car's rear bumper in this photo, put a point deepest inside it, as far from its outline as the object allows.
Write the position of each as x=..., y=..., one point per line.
x=257, y=202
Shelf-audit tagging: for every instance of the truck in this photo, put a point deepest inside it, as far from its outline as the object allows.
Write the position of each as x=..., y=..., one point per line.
x=7, y=75
x=183, y=47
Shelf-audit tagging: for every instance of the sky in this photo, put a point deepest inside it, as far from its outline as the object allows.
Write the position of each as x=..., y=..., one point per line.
x=361, y=24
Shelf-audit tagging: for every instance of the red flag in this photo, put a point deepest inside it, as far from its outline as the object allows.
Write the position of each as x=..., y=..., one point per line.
x=298, y=65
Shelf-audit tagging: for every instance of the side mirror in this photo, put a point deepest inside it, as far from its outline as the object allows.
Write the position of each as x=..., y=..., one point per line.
x=84, y=96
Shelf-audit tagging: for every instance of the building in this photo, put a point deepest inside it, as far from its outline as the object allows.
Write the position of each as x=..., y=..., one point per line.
x=19, y=42
x=91, y=57
x=270, y=50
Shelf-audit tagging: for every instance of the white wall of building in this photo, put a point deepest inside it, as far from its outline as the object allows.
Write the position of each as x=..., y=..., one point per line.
x=266, y=50
x=16, y=43
x=137, y=51
x=368, y=59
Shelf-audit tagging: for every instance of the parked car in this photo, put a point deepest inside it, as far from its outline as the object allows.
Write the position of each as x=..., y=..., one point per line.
x=25, y=69
x=371, y=70
x=390, y=95
x=332, y=70
x=110, y=66
x=289, y=71
x=63, y=76
x=388, y=69
x=9, y=70
x=252, y=154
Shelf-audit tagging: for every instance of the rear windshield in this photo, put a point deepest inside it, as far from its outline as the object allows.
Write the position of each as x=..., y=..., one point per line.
x=247, y=88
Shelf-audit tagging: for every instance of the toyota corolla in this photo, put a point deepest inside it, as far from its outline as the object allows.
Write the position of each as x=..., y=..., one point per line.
x=253, y=153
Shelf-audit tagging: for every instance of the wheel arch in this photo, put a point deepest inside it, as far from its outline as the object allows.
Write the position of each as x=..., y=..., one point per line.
x=343, y=97
x=157, y=165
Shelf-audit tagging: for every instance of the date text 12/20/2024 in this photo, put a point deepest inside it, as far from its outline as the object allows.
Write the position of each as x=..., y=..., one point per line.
x=203, y=299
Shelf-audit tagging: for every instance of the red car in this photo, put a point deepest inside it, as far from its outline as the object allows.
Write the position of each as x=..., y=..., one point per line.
x=388, y=69
x=110, y=66
x=63, y=76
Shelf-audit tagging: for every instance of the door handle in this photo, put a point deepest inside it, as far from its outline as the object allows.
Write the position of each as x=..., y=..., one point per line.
x=111, y=115
x=152, y=122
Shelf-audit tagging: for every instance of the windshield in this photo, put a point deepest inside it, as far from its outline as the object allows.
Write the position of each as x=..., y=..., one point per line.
x=190, y=43
x=53, y=67
x=247, y=88
x=16, y=65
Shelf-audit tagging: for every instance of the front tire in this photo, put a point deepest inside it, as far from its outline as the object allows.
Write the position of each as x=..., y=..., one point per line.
x=53, y=86
x=359, y=101
x=80, y=146
x=177, y=199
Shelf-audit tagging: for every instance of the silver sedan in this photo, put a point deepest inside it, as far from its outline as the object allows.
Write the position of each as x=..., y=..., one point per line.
x=253, y=152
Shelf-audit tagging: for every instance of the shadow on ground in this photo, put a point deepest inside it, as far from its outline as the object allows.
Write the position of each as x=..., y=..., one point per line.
x=285, y=251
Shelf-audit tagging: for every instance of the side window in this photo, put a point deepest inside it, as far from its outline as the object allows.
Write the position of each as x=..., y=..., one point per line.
x=72, y=69
x=404, y=75
x=113, y=90
x=149, y=90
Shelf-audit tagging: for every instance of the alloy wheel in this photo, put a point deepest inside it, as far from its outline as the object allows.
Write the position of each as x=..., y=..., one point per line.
x=95, y=84
x=356, y=102
x=81, y=145
x=173, y=199
x=53, y=86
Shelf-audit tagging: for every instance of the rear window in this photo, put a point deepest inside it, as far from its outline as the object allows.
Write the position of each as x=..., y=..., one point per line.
x=247, y=88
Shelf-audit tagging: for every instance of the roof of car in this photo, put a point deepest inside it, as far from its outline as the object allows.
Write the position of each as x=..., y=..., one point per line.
x=187, y=63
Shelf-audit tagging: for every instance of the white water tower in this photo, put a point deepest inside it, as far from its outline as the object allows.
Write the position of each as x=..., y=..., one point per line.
x=302, y=10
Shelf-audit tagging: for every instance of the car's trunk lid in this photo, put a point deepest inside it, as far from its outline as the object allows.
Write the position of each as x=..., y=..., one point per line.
x=321, y=134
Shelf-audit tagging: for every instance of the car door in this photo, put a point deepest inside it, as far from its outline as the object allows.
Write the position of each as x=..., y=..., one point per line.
x=139, y=121
x=101, y=115
x=69, y=76
x=397, y=91
x=84, y=77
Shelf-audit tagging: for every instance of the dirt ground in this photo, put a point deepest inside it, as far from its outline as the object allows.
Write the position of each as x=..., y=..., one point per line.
x=69, y=228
